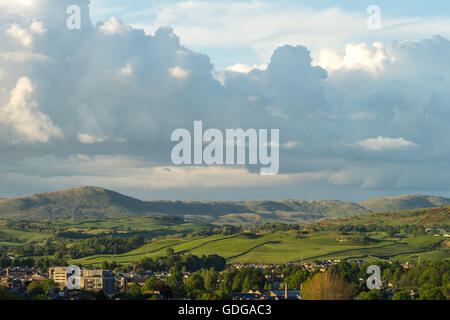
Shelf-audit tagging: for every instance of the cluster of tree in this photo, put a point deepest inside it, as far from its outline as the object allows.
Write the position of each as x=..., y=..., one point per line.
x=5, y=295
x=225, y=230
x=45, y=227
x=273, y=227
x=204, y=284
x=430, y=279
x=98, y=245
x=242, y=280
x=146, y=292
x=6, y=262
x=182, y=262
x=104, y=245
x=344, y=280
x=295, y=276
x=361, y=228
x=43, y=263
x=47, y=248
x=37, y=290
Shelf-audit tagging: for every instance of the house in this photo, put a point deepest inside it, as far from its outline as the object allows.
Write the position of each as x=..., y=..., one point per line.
x=283, y=294
x=276, y=294
x=413, y=294
x=12, y=285
x=244, y=296
x=18, y=273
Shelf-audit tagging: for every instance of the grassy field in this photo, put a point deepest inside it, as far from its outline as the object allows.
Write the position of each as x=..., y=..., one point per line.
x=321, y=241
x=283, y=247
x=19, y=237
x=32, y=231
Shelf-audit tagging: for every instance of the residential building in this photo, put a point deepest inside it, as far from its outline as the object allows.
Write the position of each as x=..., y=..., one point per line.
x=90, y=280
x=96, y=280
x=59, y=275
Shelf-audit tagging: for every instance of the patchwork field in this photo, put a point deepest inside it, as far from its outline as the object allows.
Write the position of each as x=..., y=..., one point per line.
x=34, y=231
x=404, y=235
x=282, y=247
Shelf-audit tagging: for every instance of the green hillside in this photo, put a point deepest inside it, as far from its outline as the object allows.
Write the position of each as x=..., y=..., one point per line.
x=23, y=232
x=85, y=202
x=427, y=217
x=250, y=212
x=402, y=235
x=285, y=247
x=94, y=203
x=319, y=241
x=404, y=202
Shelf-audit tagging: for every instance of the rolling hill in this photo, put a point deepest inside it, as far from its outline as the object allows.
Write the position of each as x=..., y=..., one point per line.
x=256, y=211
x=404, y=202
x=425, y=217
x=84, y=202
x=314, y=244
x=334, y=238
x=93, y=202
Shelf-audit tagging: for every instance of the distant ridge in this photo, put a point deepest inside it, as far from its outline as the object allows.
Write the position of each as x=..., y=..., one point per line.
x=84, y=202
x=94, y=202
x=404, y=202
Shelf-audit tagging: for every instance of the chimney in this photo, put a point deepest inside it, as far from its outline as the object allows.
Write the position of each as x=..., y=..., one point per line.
x=285, y=291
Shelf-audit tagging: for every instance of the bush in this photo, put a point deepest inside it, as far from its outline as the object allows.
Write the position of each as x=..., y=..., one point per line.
x=401, y=295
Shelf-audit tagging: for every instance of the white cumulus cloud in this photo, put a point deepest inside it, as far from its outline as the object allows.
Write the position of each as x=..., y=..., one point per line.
x=90, y=139
x=114, y=26
x=244, y=68
x=356, y=56
x=38, y=27
x=22, y=115
x=381, y=143
x=21, y=34
x=178, y=73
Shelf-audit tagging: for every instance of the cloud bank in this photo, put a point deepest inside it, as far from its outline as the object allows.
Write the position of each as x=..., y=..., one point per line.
x=97, y=106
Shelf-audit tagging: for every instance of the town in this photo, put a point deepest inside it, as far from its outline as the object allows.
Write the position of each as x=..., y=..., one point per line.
x=233, y=282
x=167, y=257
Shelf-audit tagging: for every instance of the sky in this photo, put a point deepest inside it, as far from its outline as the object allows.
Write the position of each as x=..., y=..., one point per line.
x=248, y=32
x=362, y=112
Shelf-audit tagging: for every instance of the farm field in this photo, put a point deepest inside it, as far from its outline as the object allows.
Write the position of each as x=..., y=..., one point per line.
x=281, y=247
x=32, y=231
x=392, y=235
x=19, y=237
